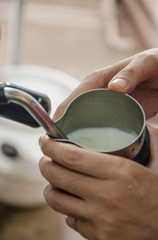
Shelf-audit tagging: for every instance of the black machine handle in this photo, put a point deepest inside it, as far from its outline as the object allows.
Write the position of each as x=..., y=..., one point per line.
x=16, y=112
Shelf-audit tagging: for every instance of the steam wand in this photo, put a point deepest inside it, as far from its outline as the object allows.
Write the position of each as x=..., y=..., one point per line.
x=34, y=108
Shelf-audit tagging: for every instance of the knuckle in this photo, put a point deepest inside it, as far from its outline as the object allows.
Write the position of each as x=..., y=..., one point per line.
x=49, y=170
x=42, y=164
x=109, y=231
x=71, y=156
x=53, y=176
x=51, y=198
x=110, y=199
x=149, y=59
x=130, y=173
x=55, y=203
x=46, y=144
x=129, y=71
x=149, y=56
x=42, y=144
x=94, y=77
x=91, y=76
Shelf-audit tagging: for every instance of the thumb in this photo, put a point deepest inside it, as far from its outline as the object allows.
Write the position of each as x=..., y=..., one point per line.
x=141, y=68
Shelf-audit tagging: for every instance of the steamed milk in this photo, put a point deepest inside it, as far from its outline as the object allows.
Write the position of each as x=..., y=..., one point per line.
x=102, y=138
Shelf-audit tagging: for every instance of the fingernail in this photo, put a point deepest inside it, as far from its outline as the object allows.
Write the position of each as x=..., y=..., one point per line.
x=118, y=84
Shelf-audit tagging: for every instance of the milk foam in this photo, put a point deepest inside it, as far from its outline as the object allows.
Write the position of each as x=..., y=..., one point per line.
x=102, y=138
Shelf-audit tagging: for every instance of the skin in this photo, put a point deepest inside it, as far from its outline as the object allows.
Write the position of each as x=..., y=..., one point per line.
x=108, y=197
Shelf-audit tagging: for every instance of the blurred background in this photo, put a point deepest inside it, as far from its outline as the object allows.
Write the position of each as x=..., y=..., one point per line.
x=75, y=37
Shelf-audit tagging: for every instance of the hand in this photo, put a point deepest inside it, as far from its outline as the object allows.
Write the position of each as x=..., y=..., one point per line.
x=137, y=75
x=104, y=196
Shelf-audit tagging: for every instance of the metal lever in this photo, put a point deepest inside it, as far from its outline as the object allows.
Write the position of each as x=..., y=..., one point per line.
x=33, y=107
x=16, y=112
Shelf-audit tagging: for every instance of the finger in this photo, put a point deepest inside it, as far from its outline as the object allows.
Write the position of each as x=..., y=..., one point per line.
x=64, y=203
x=99, y=165
x=142, y=67
x=98, y=79
x=72, y=182
x=80, y=225
x=153, y=147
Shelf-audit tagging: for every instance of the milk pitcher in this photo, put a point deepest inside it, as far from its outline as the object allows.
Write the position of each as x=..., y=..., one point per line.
x=100, y=120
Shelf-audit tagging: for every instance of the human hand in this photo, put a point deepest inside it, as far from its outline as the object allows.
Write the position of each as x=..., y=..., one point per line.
x=137, y=76
x=104, y=196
